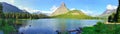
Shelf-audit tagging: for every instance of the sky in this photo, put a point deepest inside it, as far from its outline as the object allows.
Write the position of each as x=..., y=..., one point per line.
x=90, y=7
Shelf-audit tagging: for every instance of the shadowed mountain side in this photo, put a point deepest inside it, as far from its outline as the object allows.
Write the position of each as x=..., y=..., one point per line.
x=8, y=8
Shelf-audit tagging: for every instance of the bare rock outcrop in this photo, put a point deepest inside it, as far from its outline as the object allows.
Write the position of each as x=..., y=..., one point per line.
x=61, y=10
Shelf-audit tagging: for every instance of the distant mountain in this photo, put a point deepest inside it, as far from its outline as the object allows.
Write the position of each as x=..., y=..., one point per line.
x=37, y=12
x=25, y=11
x=61, y=10
x=74, y=14
x=8, y=8
x=108, y=12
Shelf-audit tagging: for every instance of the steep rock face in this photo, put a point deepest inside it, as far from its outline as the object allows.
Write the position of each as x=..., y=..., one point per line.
x=61, y=10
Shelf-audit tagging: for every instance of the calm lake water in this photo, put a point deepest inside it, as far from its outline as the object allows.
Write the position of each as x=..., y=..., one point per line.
x=49, y=26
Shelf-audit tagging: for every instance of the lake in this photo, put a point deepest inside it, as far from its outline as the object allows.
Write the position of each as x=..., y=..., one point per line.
x=49, y=26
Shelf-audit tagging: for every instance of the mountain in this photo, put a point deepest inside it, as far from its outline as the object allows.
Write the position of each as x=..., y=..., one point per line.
x=108, y=12
x=8, y=8
x=74, y=14
x=61, y=10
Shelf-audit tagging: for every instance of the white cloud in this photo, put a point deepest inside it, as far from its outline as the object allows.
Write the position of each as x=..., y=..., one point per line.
x=8, y=1
x=94, y=13
x=72, y=9
x=88, y=12
x=51, y=10
x=27, y=9
x=109, y=6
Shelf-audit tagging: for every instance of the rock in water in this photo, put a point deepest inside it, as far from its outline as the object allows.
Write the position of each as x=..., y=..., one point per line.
x=61, y=10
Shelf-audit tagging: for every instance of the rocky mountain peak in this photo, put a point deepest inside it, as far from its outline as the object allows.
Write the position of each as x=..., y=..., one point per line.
x=63, y=4
x=61, y=10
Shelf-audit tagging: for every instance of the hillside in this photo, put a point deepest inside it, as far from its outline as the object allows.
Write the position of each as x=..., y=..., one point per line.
x=74, y=14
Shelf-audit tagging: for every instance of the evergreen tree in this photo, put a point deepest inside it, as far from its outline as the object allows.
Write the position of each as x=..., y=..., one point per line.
x=117, y=15
x=0, y=9
x=119, y=12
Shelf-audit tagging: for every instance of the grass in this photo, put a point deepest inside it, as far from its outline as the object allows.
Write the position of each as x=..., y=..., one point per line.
x=6, y=27
x=101, y=28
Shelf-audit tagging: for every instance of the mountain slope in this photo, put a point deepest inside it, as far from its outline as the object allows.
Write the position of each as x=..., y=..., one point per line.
x=108, y=12
x=61, y=10
x=8, y=8
x=74, y=14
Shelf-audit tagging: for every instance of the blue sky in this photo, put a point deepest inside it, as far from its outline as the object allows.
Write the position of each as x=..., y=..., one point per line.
x=90, y=7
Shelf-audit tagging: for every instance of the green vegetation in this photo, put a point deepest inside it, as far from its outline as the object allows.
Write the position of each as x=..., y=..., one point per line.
x=111, y=18
x=75, y=14
x=7, y=26
x=101, y=28
x=1, y=13
x=24, y=16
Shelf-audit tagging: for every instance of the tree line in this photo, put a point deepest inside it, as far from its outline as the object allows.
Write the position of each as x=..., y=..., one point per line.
x=24, y=16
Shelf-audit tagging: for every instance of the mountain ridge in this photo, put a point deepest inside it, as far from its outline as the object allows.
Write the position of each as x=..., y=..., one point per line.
x=8, y=8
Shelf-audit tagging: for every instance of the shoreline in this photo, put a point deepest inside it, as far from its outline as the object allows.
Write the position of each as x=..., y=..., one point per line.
x=111, y=23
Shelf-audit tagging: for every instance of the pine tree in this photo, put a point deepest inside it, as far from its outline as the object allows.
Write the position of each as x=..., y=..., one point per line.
x=117, y=15
x=119, y=12
x=1, y=10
